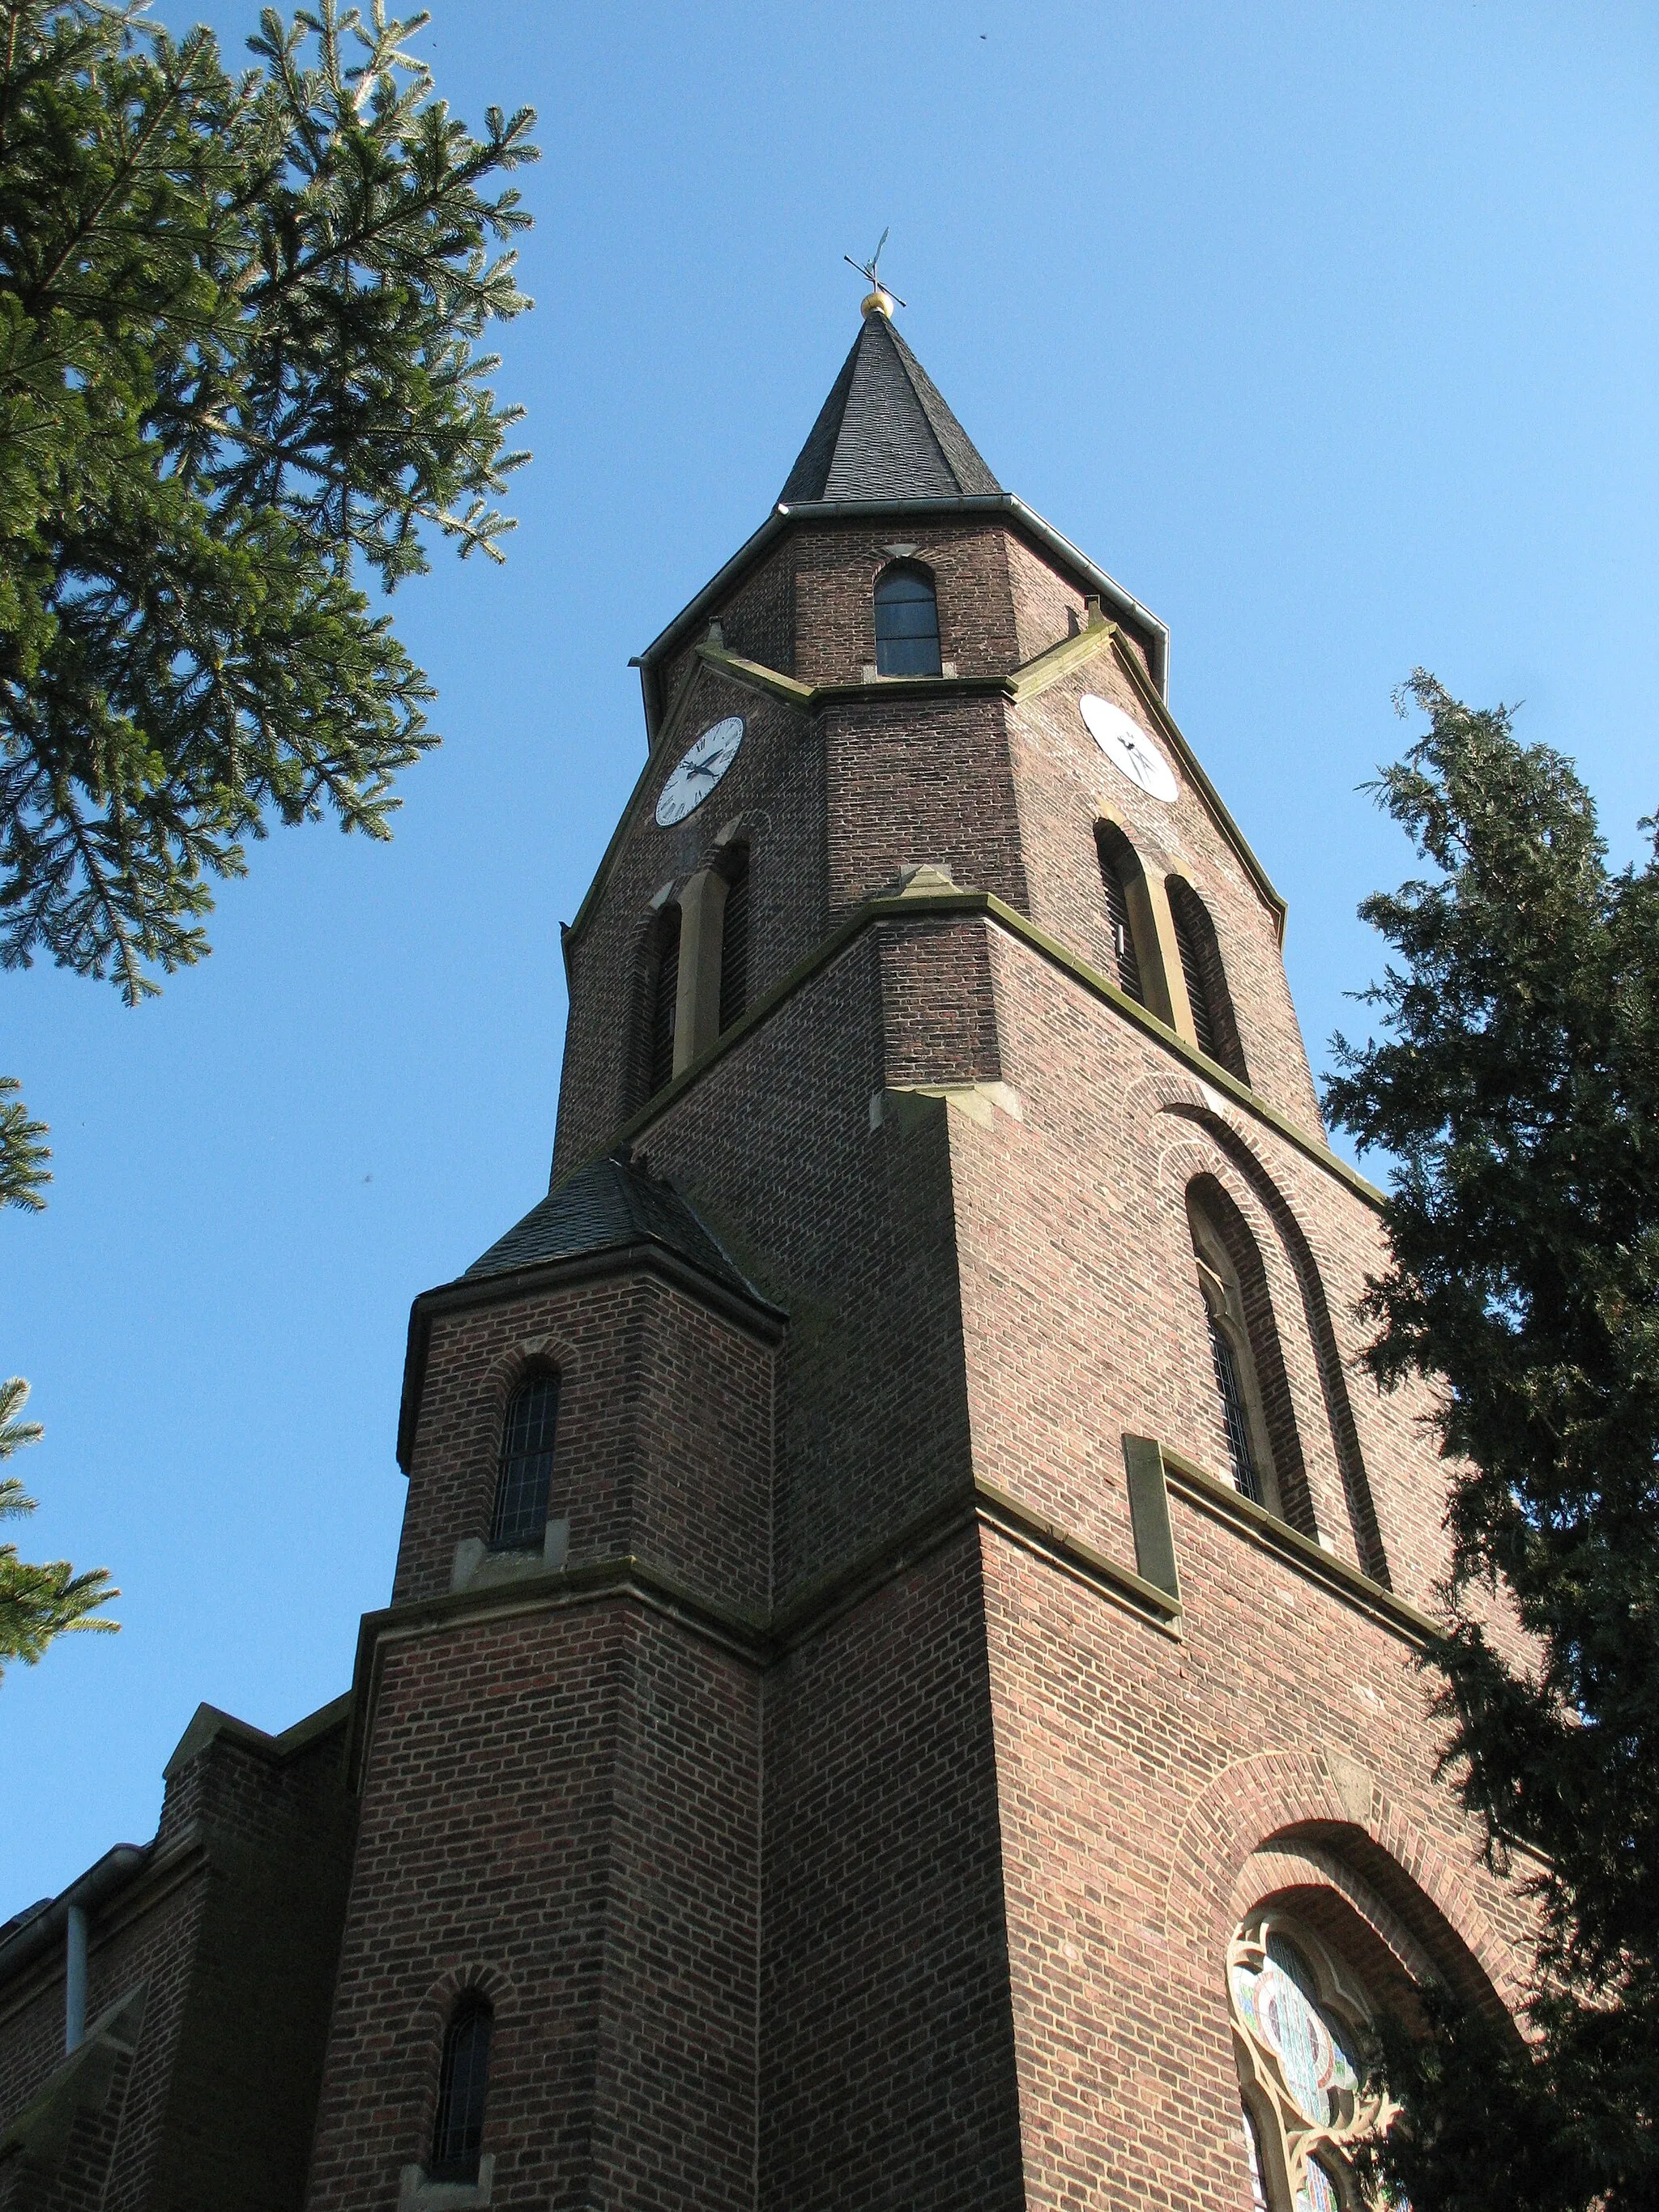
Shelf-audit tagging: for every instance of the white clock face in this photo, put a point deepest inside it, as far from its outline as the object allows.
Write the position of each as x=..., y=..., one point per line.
x=699, y=771
x=1127, y=747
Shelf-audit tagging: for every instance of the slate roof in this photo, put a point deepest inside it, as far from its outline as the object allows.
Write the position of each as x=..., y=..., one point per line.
x=602, y=1207
x=884, y=432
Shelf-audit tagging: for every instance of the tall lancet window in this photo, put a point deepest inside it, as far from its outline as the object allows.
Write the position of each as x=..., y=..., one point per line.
x=734, y=936
x=1117, y=861
x=906, y=623
x=663, y=1000
x=1206, y=979
x=463, y=2084
x=1299, y=2018
x=1233, y=1362
x=525, y=1468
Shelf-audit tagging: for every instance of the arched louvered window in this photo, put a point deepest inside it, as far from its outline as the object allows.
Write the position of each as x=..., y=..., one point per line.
x=734, y=938
x=1235, y=1366
x=1213, y=1026
x=527, y=1465
x=1116, y=859
x=663, y=999
x=463, y=2084
x=906, y=623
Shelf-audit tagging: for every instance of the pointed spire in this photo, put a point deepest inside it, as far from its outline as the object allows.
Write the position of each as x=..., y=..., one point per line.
x=884, y=432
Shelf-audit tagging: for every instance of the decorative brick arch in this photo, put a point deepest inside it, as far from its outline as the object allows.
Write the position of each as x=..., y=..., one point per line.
x=1293, y=1796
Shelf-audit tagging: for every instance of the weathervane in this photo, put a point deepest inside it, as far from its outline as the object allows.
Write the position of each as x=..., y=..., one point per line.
x=881, y=301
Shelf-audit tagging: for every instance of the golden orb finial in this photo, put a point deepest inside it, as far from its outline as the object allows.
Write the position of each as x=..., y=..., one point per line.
x=879, y=302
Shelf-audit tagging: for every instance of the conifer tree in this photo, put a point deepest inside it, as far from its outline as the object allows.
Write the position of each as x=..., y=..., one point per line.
x=1516, y=1087
x=239, y=381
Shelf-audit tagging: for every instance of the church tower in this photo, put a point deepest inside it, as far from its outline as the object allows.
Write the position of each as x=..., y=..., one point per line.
x=898, y=1688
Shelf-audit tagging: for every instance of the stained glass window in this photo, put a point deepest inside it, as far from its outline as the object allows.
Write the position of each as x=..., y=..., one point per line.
x=1295, y=2009
x=1320, y=2194
x=1253, y=2159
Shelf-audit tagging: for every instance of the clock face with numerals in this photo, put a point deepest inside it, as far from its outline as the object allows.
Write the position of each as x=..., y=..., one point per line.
x=700, y=770
x=1127, y=747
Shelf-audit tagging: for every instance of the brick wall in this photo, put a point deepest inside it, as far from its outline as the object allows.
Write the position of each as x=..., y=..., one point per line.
x=664, y=1449
x=232, y=1934
x=559, y=1808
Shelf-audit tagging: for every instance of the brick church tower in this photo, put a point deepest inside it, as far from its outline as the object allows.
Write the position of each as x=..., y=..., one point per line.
x=897, y=1693
x=898, y=1690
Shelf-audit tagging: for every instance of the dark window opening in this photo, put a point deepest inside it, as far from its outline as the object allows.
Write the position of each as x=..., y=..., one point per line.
x=463, y=2080
x=527, y=1465
x=1192, y=969
x=1234, y=1417
x=1215, y=1027
x=907, y=624
x=734, y=940
x=665, y=993
x=1113, y=849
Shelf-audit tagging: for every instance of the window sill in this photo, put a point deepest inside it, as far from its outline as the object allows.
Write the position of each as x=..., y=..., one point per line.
x=416, y=2194
x=475, y=1565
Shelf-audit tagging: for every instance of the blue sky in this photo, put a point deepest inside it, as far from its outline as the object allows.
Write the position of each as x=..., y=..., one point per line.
x=1330, y=330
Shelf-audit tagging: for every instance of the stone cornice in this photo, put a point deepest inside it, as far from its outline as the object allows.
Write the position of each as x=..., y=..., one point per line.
x=961, y=904
x=758, y=1638
x=1222, y=1502
x=1017, y=685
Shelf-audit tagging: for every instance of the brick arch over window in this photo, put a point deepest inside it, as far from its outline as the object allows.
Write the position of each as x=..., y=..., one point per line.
x=1205, y=975
x=423, y=2041
x=1209, y=1206
x=1289, y=1801
x=1315, y=1306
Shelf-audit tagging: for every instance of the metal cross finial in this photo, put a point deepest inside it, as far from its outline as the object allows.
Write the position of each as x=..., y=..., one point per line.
x=868, y=269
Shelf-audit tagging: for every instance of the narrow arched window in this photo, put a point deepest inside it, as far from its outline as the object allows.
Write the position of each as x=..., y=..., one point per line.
x=906, y=623
x=463, y=2084
x=527, y=1465
x=1213, y=1026
x=1116, y=859
x=1237, y=1360
x=663, y=1000
x=734, y=936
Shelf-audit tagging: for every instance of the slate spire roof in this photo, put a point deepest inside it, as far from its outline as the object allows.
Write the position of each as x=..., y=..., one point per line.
x=604, y=1207
x=885, y=433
